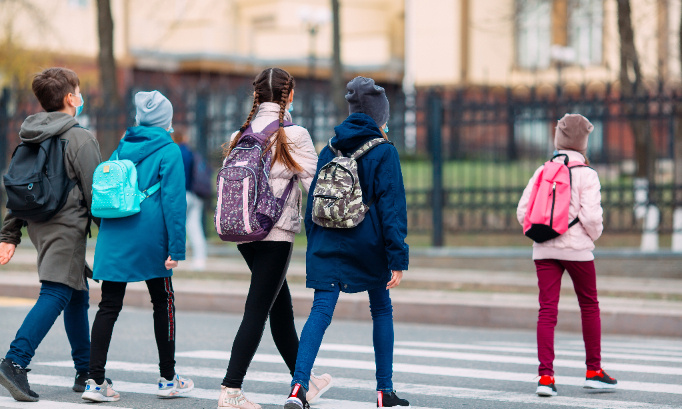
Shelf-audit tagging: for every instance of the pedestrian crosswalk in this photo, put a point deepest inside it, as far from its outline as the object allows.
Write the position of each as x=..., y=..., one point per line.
x=457, y=363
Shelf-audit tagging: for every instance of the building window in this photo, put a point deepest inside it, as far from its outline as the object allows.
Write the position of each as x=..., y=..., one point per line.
x=585, y=30
x=533, y=33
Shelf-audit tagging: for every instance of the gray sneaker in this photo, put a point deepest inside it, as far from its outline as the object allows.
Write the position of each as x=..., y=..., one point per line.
x=176, y=386
x=13, y=378
x=100, y=393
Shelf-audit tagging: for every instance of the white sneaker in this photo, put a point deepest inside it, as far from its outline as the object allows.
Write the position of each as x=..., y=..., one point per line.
x=317, y=386
x=100, y=393
x=176, y=386
x=234, y=398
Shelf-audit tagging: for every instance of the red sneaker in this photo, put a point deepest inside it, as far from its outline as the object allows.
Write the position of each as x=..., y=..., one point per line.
x=546, y=386
x=599, y=380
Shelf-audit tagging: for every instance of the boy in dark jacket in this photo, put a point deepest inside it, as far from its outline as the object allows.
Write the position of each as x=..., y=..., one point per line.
x=368, y=257
x=60, y=241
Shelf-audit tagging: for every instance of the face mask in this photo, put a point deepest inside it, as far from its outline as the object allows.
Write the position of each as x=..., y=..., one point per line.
x=79, y=108
x=386, y=129
x=291, y=107
x=170, y=129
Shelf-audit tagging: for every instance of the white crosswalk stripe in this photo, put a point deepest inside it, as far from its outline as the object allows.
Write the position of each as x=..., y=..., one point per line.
x=208, y=394
x=7, y=402
x=447, y=354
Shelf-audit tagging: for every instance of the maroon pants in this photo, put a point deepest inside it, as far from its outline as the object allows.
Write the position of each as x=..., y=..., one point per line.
x=584, y=280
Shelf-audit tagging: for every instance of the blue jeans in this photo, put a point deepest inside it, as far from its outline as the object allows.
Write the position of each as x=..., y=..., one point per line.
x=53, y=299
x=320, y=317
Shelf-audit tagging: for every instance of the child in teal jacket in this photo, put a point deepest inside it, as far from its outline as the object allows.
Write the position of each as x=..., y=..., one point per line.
x=143, y=247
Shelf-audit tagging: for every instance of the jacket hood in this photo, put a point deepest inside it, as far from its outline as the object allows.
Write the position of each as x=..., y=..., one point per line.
x=357, y=129
x=36, y=128
x=142, y=141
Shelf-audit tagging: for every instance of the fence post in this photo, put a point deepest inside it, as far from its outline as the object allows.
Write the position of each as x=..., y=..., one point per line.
x=435, y=122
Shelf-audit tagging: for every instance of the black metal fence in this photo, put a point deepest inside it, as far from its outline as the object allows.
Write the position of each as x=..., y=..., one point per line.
x=482, y=145
x=474, y=151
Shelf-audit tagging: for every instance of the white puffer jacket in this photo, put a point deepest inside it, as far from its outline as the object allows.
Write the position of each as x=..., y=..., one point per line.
x=303, y=152
x=578, y=242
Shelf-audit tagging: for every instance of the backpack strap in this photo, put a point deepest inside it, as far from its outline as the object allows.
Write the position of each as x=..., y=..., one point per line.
x=272, y=127
x=367, y=146
x=290, y=186
x=335, y=151
x=150, y=191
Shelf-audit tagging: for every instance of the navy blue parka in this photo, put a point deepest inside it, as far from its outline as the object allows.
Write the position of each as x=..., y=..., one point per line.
x=361, y=258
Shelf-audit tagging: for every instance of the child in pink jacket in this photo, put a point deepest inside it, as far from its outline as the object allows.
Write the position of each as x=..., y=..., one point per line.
x=571, y=251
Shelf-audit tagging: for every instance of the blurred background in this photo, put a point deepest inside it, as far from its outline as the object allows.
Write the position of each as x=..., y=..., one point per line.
x=475, y=86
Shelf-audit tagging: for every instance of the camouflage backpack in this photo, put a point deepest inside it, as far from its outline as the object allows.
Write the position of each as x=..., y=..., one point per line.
x=337, y=199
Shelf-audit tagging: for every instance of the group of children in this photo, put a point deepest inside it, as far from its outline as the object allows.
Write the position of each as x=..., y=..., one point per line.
x=368, y=254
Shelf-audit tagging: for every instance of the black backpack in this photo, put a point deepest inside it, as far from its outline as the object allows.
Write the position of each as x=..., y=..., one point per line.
x=36, y=182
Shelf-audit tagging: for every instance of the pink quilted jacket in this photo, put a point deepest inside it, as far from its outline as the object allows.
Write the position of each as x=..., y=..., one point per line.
x=303, y=151
x=578, y=242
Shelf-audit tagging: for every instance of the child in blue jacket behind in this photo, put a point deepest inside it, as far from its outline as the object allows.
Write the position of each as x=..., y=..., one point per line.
x=369, y=257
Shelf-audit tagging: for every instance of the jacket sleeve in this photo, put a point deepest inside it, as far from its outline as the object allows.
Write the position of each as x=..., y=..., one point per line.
x=173, y=200
x=591, y=212
x=11, y=230
x=525, y=197
x=305, y=155
x=391, y=207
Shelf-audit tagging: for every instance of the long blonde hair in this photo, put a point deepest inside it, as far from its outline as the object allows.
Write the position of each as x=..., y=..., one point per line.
x=271, y=85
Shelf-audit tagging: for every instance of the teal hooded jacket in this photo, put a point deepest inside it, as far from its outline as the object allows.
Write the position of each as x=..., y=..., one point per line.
x=135, y=248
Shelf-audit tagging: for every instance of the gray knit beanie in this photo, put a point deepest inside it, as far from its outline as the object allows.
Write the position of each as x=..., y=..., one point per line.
x=572, y=133
x=153, y=109
x=368, y=98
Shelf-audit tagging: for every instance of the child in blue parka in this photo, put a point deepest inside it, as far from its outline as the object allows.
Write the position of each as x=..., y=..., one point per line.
x=369, y=257
x=143, y=247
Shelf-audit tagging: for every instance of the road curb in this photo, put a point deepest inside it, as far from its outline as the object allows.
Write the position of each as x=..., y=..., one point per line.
x=356, y=307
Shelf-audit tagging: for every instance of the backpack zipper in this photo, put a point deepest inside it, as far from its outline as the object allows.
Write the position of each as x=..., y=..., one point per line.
x=551, y=215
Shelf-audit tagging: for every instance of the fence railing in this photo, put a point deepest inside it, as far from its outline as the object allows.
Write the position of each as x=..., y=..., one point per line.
x=475, y=150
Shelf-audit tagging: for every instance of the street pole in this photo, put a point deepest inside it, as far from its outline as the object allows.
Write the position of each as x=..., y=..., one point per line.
x=312, y=30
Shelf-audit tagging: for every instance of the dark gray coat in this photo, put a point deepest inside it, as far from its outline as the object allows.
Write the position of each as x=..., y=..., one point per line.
x=61, y=241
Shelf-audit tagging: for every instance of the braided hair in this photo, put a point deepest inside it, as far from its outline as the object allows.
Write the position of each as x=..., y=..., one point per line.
x=272, y=85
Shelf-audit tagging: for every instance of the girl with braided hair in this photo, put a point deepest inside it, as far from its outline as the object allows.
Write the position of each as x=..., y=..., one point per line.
x=268, y=259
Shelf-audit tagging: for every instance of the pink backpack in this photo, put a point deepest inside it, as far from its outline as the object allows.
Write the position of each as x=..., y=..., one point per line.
x=550, y=201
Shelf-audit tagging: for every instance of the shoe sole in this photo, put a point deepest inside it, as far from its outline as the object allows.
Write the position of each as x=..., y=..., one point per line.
x=295, y=405
x=16, y=393
x=178, y=392
x=599, y=385
x=319, y=393
x=545, y=391
x=98, y=397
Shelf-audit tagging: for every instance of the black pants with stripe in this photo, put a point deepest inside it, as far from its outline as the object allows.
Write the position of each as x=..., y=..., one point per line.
x=163, y=300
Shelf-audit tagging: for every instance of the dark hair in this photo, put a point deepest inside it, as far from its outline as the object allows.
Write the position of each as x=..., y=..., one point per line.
x=52, y=85
x=271, y=85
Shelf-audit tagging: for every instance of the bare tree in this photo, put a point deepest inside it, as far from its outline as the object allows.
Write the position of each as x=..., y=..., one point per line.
x=111, y=102
x=633, y=89
x=338, y=83
x=678, y=135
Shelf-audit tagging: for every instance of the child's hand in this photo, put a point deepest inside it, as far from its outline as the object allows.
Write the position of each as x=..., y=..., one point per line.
x=6, y=252
x=396, y=277
x=171, y=263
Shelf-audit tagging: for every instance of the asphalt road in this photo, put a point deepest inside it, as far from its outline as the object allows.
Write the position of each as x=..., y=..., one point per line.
x=435, y=366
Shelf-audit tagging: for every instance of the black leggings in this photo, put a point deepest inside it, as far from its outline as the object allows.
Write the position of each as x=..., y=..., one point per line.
x=163, y=299
x=268, y=296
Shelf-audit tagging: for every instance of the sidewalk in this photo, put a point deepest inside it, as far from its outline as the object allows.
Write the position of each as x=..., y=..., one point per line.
x=471, y=287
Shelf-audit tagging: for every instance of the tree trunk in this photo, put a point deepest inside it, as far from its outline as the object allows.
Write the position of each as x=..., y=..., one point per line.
x=338, y=84
x=678, y=136
x=635, y=95
x=108, y=128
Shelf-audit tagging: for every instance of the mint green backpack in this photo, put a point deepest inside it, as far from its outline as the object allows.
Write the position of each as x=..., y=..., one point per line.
x=114, y=189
